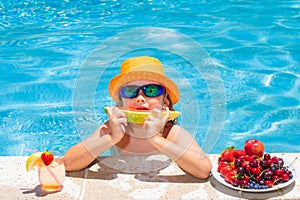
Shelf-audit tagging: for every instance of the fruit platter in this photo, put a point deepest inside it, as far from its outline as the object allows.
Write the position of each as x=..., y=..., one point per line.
x=252, y=170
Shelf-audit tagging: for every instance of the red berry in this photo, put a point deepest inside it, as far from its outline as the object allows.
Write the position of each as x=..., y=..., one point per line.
x=243, y=183
x=238, y=153
x=267, y=156
x=275, y=179
x=278, y=172
x=285, y=177
x=288, y=172
x=227, y=155
x=246, y=178
x=235, y=182
x=229, y=176
x=225, y=170
x=280, y=161
x=237, y=162
x=269, y=162
x=258, y=179
x=253, y=162
x=255, y=171
x=240, y=171
x=269, y=183
x=47, y=157
x=247, y=169
x=248, y=157
x=264, y=164
x=275, y=160
x=221, y=165
x=267, y=174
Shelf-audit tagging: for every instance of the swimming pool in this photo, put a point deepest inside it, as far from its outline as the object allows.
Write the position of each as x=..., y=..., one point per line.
x=49, y=52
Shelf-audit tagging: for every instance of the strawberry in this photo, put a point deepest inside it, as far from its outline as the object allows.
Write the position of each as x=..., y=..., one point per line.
x=225, y=170
x=230, y=176
x=227, y=155
x=47, y=157
x=221, y=165
x=238, y=153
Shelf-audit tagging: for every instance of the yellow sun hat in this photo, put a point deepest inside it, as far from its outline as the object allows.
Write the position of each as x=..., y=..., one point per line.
x=142, y=68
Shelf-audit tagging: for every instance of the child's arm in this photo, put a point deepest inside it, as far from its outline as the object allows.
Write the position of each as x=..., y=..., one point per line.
x=83, y=153
x=107, y=135
x=181, y=147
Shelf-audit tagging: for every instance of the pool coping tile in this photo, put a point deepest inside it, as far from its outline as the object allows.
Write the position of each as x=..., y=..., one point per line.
x=114, y=178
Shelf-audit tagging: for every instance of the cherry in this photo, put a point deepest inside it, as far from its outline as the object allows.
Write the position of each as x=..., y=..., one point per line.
x=275, y=160
x=267, y=156
x=247, y=169
x=260, y=168
x=285, y=177
x=240, y=171
x=258, y=179
x=269, y=183
x=280, y=161
x=235, y=182
x=269, y=162
x=288, y=172
x=275, y=179
x=264, y=164
x=243, y=183
x=238, y=162
x=253, y=162
x=267, y=174
x=247, y=178
x=278, y=172
x=255, y=171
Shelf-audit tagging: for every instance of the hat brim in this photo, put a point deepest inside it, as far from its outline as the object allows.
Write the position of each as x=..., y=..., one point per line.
x=120, y=80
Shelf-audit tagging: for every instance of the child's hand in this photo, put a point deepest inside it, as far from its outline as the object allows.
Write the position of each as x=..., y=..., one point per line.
x=117, y=120
x=156, y=121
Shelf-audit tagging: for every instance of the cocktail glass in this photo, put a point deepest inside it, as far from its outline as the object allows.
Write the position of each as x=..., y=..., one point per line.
x=52, y=176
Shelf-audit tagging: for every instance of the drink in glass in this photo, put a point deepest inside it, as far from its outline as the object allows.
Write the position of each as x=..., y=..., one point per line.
x=52, y=176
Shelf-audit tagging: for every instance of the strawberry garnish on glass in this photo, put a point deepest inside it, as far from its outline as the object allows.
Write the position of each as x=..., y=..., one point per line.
x=47, y=157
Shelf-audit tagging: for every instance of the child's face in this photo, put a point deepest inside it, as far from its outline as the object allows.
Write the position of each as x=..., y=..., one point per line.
x=142, y=102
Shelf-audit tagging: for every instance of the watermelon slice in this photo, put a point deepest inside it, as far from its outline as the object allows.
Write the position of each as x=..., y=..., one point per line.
x=139, y=116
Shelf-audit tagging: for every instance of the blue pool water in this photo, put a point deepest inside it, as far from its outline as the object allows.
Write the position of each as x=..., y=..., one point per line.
x=235, y=62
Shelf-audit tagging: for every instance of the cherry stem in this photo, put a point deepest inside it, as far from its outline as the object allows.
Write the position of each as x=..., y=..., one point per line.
x=292, y=162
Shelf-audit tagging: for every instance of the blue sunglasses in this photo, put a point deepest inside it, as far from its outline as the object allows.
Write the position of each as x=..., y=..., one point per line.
x=150, y=90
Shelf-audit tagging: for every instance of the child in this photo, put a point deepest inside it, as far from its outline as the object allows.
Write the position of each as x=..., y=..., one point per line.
x=142, y=85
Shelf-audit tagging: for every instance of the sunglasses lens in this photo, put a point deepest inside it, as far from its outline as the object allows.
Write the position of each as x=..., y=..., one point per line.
x=153, y=90
x=129, y=91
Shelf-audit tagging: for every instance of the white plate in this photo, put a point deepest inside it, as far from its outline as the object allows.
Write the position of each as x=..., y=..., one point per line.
x=220, y=179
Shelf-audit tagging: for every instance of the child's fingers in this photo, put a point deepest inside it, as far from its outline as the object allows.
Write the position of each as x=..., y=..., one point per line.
x=123, y=128
x=156, y=113
x=115, y=112
x=117, y=117
x=166, y=117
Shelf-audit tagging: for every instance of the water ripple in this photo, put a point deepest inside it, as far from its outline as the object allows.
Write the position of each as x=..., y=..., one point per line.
x=255, y=46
